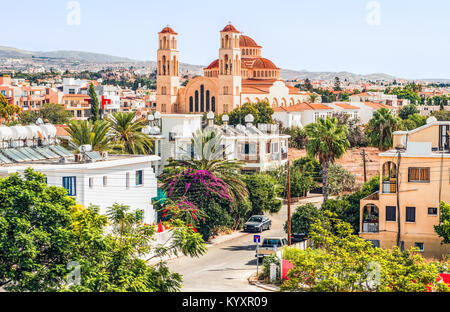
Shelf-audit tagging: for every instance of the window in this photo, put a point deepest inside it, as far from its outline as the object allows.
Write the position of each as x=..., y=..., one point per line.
x=418, y=174
x=432, y=211
x=419, y=245
x=105, y=181
x=410, y=214
x=375, y=242
x=391, y=213
x=91, y=182
x=139, y=177
x=249, y=148
x=127, y=180
x=70, y=184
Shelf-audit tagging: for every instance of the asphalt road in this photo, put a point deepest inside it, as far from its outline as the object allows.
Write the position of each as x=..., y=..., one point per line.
x=227, y=265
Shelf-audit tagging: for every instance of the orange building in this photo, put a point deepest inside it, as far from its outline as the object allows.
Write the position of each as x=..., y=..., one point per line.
x=240, y=75
x=414, y=179
x=78, y=104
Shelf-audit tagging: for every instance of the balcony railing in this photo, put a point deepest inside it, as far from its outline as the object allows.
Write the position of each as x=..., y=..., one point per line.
x=389, y=187
x=370, y=227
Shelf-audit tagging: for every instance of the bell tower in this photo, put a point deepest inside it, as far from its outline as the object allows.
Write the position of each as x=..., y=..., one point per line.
x=167, y=79
x=230, y=81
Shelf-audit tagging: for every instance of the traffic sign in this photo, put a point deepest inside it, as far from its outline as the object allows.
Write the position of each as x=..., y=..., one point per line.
x=256, y=238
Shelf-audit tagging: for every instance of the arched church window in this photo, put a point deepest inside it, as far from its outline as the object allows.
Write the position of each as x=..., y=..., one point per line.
x=213, y=104
x=191, y=104
x=207, y=100
x=202, y=98
x=196, y=100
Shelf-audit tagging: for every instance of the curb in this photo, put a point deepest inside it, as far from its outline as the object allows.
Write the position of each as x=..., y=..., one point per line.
x=253, y=282
x=214, y=243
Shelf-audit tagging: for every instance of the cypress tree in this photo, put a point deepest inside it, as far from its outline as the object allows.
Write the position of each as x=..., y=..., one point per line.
x=95, y=106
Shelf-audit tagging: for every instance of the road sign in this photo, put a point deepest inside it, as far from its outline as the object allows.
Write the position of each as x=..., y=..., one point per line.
x=256, y=238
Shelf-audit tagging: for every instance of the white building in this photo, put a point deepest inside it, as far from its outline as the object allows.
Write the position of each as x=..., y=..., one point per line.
x=91, y=178
x=111, y=93
x=74, y=86
x=259, y=147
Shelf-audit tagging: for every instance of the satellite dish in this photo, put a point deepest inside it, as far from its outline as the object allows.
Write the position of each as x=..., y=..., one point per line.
x=85, y=148
x=403, y=140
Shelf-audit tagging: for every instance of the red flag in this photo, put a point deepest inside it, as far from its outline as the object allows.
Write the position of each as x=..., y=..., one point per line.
x=160, y=227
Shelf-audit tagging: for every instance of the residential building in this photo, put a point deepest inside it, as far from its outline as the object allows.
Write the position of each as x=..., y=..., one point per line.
x=260, y=147
x=91, y=177
x=414, y=179
x=78, y=104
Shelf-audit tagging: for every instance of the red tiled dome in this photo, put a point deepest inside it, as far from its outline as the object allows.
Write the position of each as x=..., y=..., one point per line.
x=260, y=63
x=247, y=42
x=168, y=30
x=214, y=64
x=230, y=28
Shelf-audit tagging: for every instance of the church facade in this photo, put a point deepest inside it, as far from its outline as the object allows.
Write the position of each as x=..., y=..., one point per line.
x=240, y=75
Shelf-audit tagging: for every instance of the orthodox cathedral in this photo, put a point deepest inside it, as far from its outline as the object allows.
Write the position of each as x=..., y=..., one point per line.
x=240, y=75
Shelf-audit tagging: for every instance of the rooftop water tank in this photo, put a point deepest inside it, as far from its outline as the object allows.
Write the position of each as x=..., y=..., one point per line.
x=18, y=133
x=5, y=133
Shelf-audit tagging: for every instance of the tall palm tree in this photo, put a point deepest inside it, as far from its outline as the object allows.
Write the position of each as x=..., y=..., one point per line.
x=126, y=131
x=381, y=127
x=327, y=140
x=210, y=156
x=85, y=132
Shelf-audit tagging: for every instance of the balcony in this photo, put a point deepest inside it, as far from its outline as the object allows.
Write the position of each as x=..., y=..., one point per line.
x=389, y=187
x=370, y=227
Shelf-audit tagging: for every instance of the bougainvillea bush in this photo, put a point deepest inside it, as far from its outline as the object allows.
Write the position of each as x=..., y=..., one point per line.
x=202, y=192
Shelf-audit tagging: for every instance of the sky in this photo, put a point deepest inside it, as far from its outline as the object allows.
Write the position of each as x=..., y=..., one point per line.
x=405, y=38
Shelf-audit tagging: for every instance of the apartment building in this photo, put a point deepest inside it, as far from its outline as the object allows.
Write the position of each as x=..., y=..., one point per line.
x=91, y=177
x=414, y=179
x=78, y=104
x=260, y=147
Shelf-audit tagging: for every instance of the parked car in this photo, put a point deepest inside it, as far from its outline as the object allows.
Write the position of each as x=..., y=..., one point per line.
x=269, y=246
x=257, y=224
x=297, y=238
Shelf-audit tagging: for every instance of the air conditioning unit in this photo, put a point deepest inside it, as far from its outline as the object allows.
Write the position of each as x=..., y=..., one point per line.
x=78, y=157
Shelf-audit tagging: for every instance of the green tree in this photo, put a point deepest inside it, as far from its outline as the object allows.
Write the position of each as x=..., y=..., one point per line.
x=328, y=141
x=343, y=262
x=262, y=113
x=380, y=129
x=303, y=217
x=263, y=192
x=95, y=105
x=307, y=85
x=115, y=260
x=36, y=242
x=442, y=115
x=443, y=229
x=28, y=117
x=55, y=113
x=408, y=110
x=84, y=132
x=127, y=134
x=337, y=84
x=340, y=180
x=8, y=111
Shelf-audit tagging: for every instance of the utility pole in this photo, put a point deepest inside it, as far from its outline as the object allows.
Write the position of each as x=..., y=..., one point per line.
x=289, y=201
x=364, y=161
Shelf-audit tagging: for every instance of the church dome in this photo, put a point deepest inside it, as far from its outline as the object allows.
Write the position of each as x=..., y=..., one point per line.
x=247, y=42
x=214, y=64
x=230, y=28
x=261, y=63
x=168, y=30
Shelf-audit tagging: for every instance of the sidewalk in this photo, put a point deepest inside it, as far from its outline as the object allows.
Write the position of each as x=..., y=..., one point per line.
x=270, y=287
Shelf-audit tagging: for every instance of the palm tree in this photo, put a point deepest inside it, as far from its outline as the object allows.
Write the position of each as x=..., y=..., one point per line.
x=127, y=134
x=381, y=127
x=328, y=141
x=85, y=132
x=210, y=156
x=313, y=97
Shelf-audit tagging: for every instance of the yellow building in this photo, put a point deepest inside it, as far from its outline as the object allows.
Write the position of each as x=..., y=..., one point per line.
x=240, y=75
x=421, y=164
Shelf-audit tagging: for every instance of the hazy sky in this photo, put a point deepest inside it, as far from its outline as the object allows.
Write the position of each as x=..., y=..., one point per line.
x=406, y=38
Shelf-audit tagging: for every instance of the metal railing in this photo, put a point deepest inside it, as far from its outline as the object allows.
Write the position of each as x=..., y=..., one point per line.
x=389, y=187
x=369, y=227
